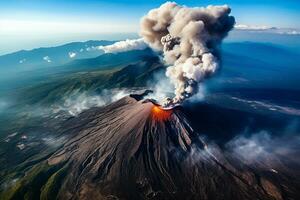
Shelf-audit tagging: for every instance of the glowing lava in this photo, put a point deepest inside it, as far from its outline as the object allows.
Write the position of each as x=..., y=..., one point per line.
x=160, y=114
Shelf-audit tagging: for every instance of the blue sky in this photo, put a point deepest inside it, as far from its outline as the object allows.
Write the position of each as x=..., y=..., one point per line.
x=31, y=23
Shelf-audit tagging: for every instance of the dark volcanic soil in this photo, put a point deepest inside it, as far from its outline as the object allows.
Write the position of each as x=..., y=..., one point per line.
x=134, y=150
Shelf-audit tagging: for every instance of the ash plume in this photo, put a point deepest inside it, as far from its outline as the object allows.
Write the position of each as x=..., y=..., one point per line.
x=189, y=40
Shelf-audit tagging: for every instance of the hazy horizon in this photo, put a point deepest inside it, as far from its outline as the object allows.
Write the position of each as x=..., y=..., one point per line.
x=290, y=41
x=32, y=24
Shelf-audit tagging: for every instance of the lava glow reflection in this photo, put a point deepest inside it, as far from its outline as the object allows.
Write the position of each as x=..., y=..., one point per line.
x=160, y=114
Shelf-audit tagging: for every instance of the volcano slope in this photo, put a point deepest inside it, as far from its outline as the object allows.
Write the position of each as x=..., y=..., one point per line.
x=132, y=149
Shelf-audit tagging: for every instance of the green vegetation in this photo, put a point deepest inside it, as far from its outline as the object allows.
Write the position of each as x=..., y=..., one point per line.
x=28, y=176
x=56, y=89
x=51, y=188
x=41, y=181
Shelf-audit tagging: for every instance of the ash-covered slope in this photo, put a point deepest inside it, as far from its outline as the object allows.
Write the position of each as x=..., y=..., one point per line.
x=132, y=149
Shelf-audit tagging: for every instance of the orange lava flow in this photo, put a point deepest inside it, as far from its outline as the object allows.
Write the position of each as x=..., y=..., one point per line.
x=160, y=114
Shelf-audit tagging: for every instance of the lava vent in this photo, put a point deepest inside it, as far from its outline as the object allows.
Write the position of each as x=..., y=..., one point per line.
x=134, y=149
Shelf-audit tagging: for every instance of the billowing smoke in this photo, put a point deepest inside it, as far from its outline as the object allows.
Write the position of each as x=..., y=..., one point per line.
x=189, y=39
x=126, y=45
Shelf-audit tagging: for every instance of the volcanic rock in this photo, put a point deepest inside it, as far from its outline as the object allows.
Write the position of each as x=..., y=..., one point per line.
x=133, y=149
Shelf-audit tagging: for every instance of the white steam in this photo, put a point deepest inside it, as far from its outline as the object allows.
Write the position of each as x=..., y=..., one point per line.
x=161, y=86
x=262, y=150
x=189, y=39
x=263, y=146
x=77, y=103
x=126, y=45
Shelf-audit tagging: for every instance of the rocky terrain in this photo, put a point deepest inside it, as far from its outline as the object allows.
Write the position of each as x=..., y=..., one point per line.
x=133, y=149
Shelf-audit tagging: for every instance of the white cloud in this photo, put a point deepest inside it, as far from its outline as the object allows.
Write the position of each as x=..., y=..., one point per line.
x=126, y=45
x=47, y=59
x=93, y=48
x=263, y=146
x=22, y=60
x=267, y=29
x=72, y=54
x=253, y=27
x=290, y=32
x=77, y=103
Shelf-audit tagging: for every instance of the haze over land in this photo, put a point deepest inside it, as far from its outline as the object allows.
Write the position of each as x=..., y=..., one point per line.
x=84, y=119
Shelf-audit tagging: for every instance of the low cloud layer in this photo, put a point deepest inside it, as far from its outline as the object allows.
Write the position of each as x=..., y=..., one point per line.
x=253, y=27
x=261, y=150
x=263, y=146
x=266, y=29
x=77, y=103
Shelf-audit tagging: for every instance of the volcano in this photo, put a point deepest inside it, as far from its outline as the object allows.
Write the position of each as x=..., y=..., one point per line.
x=134, y=149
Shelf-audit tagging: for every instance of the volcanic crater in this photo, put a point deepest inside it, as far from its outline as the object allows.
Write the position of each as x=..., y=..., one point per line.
x=134, y=149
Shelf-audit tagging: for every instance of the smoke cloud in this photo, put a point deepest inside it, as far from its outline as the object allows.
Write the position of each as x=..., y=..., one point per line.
x=77, y=103
x=264, y=147
x=189, y=40
x=126, y=45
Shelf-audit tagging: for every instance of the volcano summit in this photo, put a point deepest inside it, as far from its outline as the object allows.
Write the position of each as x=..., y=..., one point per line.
x=133, y=149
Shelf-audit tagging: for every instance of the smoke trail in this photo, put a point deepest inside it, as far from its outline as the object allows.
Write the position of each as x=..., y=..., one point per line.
x=126, y=45
x=189, y=39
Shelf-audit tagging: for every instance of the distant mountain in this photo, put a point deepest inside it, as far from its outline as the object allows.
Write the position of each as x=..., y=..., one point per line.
x=81, y=70
x=51, y=56
x=60, y=55
x=108, y=60
x=136, y=68
x=126, y=69
x=252, y=65
x=243, y=65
